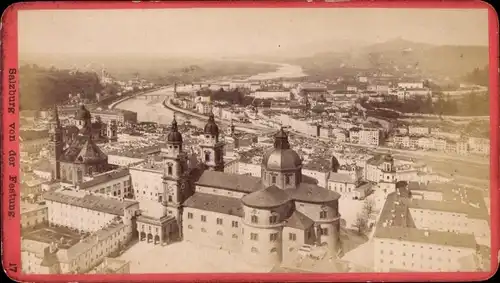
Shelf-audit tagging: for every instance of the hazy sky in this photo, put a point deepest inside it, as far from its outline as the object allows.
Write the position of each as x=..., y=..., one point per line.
x=239, y=31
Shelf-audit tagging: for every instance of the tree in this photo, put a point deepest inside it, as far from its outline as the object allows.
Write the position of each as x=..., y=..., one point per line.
x=368, y=208
x=361, y=223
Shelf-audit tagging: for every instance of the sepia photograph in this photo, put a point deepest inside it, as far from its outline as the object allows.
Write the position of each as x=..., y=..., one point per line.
x=254, y=140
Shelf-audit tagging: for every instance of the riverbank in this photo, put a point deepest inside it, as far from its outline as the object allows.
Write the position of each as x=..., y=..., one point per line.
x=112, y=105
x=167, y=103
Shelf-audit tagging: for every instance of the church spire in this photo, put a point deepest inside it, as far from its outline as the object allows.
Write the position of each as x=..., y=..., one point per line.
x=173, y=127
x=281, y=139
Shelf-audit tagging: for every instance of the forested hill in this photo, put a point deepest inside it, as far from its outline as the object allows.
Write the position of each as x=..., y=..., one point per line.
x=42, y=87
x=478, y=76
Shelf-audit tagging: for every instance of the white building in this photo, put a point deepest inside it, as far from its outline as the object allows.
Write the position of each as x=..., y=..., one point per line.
x=416, y=235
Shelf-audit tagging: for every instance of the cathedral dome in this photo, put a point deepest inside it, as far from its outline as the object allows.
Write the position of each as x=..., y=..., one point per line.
x=281, y=157
x=211, y=127
x=174, y=136
x=82, y=113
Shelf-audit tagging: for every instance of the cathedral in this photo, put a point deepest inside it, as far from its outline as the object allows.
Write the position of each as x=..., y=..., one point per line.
x=77, y=157
x=265, y=219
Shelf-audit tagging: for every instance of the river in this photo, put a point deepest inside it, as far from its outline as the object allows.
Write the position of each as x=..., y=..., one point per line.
x=153, y=111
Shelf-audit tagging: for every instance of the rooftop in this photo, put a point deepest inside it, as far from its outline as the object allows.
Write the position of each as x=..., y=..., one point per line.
x=215, y=203
x=65, y=237
x=88, y=243
x=27, y=207
x=234, y=182
x=341, y=178
x=105, y=177
x=85, y=200
x=427, y=237
x=266, y=198
x=396, y=222
x=299, y=221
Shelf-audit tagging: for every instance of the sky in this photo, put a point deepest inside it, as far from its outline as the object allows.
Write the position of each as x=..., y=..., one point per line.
x=239, y=31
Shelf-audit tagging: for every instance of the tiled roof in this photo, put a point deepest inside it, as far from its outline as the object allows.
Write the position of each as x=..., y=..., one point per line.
x=376, y=160
x=89, y=201
x=396, y=222
x=312, y=194
x=341, y=178
x=427, y=237
x=454, y=199
x=105, y=177
x=266, y=198
x=299, y=221
x=84, y=148
x=215, y=203
x=233, y=182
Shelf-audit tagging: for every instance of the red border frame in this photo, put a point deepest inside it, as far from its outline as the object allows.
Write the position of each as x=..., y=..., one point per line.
x=10, y=225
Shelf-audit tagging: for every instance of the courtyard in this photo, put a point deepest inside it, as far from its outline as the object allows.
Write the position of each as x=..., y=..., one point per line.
x=185, y=257
x=63, y=236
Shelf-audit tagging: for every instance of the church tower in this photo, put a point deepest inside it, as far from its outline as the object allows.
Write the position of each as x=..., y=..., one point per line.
x=56, y=144
x=212, y=149
x=175, y=166
x=112, y=131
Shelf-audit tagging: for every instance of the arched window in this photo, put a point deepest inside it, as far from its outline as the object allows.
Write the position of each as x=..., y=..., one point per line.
x=254, y=219
x=207, y=156
x=274, y=250
x=322, y=214
x=169, y=169
x=273, y=179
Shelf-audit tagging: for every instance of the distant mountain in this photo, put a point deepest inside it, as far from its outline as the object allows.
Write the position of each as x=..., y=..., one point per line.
x=156, y=68
x=401, y=55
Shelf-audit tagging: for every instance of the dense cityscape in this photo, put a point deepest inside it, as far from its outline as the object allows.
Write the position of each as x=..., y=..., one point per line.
x=275, y=169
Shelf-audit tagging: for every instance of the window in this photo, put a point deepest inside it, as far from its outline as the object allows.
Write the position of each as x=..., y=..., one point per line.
x=273, y=179
x=287, y=179
x=207, y=156
x=219, y=221
x=322, y=214
x=391, y=252
x=219, y=233
x=254, y=250
x=234, y=224
x=292, y=237
x=190, y=215
x=203, y=230
x=273, y=237
x=254, y=219
x=254, y=236
x=170, y=198
x=203, y=218
x=324, y=231
x=235, y=236
x=169, y=170
x=273, y=219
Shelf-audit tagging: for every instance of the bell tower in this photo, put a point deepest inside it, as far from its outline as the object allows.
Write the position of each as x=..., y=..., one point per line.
x=56, y=144
x=112, y=131
x=212, y=148
x=175, y=166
